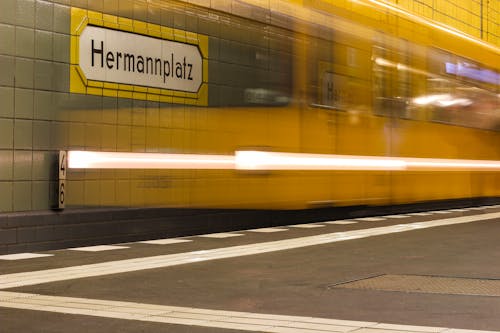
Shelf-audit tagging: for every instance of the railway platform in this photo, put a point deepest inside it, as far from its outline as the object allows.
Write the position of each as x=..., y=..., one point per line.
x=431, y=271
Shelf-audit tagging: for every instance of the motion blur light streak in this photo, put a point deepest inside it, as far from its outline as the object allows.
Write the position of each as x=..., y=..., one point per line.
x=261, y=160
x=114, y=160
x=258, y=160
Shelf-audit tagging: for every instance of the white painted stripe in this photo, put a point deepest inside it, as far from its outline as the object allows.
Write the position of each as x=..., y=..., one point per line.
x=98, y=248
x=396, y=216
x=166, y=241
x=371, y=219
x=246, y=321
x=458, y=210
x=420, y=214
x=221, y=235
x=306, y=226
x=136, y=264
x=341, y=222
x=21, y=256
x=268, y=230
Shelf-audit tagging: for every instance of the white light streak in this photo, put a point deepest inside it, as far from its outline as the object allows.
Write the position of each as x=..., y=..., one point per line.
x=266, y=161
x=114, y=160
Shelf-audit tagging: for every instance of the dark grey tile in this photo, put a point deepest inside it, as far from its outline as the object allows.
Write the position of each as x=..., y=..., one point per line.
x=21, y=195
x=5, y=196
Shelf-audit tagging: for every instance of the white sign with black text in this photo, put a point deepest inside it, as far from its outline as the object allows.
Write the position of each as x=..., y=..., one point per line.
x=122, y=57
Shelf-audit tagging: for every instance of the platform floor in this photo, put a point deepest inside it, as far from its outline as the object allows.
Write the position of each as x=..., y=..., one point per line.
x=424, y=272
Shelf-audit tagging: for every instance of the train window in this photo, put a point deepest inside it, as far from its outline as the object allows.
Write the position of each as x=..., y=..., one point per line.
x=250, y=64
x=464, y=93
x=392, y=80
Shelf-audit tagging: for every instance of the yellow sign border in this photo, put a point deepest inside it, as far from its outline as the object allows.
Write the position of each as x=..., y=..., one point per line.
x=80, y=18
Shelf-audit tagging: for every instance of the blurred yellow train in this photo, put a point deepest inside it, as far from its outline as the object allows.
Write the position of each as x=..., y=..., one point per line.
x=320, y=79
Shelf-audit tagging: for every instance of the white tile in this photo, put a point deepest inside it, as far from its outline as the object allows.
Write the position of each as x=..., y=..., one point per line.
x=340, y=222
x=20, y=256
x=266, y=230
x=221, y=235
x=371, y=219
x=98, y=248
x=306, y=226
x=166, y=241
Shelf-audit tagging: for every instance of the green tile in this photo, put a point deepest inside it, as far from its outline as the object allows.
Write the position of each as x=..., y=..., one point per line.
x=7, y=36
x=7, y=98
x=7, y=69
x=43, y=45
x=43, y=108
x=23, y=134
x=41, y=135
x=61, y=19
x=40, y=195
x=24, y=72
x=44, y=15
x=23, y=161
x=44, y=166
x=8, y=11
x=6, y=164
x=24, y=103
x=21, y=194
x=44, y=75
x=61, y=47
x=5, y=197
x=25, y=13
x=6, y=133
x=25, y=42
x=58, y=135
x=61, y=77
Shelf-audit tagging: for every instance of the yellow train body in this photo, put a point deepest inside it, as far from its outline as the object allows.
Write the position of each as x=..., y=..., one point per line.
x=353, y=68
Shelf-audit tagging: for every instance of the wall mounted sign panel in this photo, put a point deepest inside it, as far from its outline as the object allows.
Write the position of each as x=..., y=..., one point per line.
x=120, y=57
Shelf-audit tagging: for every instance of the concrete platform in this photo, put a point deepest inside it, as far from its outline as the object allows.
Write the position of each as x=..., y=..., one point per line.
x=285, y=279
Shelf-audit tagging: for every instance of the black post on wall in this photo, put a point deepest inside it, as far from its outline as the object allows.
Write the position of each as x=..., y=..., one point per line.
x=63, y=166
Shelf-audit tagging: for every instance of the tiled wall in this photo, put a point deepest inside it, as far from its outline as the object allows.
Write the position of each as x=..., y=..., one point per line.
x=34, y=65
x=479, y=18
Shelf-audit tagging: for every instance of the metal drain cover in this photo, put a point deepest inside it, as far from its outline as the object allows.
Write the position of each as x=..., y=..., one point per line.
x=427, y=284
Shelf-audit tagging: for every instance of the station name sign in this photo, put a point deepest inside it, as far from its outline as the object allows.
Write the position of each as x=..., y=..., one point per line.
x=114, y=56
